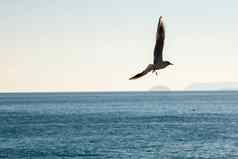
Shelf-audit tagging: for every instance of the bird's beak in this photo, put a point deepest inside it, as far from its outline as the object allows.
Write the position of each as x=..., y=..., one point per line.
x=171, y=64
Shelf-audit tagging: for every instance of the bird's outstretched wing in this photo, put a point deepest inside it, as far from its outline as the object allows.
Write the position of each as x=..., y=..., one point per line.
x=147, y=70
x=159, y=45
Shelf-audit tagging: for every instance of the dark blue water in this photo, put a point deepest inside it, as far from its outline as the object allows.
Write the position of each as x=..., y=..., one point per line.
x=119, y=125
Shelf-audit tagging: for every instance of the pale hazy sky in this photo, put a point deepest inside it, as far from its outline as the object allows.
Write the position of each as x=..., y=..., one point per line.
x=76, y=45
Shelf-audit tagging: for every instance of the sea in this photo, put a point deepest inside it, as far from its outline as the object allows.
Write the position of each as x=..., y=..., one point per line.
x=114, y=125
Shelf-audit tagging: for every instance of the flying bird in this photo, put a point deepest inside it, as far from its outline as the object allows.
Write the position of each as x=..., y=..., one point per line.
x=158, y=50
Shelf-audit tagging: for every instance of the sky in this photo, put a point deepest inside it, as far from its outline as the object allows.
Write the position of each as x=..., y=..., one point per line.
x=88, y=45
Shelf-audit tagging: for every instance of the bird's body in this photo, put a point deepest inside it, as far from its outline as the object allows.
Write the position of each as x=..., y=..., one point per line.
x=158, y=56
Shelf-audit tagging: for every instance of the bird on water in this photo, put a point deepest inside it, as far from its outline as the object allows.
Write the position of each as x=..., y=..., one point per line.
x=158, y=50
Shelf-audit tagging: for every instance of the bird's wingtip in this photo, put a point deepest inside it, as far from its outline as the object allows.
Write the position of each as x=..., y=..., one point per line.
x=133, y=78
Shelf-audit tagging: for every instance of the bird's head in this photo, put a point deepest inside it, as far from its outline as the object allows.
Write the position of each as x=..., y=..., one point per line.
x=167, y=63
x=160, y=20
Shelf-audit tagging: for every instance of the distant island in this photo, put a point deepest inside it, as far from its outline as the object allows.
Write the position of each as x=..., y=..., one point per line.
x=222, y=86
x=159, y=88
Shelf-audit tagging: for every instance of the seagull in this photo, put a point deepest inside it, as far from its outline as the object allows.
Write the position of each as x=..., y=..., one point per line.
x=158, y=50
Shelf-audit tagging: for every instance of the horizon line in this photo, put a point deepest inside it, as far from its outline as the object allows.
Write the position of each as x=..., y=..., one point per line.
x=117, y=91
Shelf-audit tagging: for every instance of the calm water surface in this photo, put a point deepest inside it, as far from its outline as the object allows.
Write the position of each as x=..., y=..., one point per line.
x=119, y=125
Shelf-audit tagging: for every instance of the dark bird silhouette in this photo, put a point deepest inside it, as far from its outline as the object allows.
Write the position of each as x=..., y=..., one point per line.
x=158, y=50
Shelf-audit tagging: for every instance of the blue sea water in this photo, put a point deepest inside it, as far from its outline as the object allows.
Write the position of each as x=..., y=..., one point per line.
x=119, y=125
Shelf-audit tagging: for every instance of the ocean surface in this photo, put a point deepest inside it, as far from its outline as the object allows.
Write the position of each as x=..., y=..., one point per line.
x=181, y=125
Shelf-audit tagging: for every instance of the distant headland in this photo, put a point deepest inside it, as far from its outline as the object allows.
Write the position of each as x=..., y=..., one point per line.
x=160, y=88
